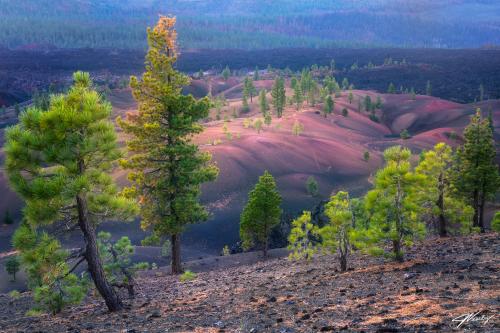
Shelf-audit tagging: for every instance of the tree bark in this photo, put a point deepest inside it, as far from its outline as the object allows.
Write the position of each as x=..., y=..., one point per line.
x=176, y=254
x=396, y=245
x=440, y=204
x=475, y=205
x=91, y=255
x=481, y=214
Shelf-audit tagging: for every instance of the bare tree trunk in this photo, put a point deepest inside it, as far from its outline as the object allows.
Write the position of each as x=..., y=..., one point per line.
x=396, y=245
x=94, y=263
x=475, y=205
x=481, y=214
x=176, y=254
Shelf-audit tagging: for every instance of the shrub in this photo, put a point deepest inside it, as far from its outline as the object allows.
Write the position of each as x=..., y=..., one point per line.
x=226, y=251
x=312, y=186
x=12, y=266
x=345, y=112
x=405, y=134
x=187, y=276
x=14, y=294
x=366, y=156
x=495, y=223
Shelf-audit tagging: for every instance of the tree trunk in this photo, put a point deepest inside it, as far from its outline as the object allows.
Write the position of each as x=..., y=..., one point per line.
x=481, y=214
x=475, y=205
x=94, y=263
x=176, y=254
x=440, y=204
x=396, y=245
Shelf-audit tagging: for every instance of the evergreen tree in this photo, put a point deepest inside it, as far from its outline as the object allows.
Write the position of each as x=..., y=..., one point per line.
x=437, y=193
x=264, y=106
x=345, y=84
x=412, y=94
x=12, y=266
x=428, y=88
x=391, y=89
x=256, y=74
x=368, y=103
x=226, y=73
x=312, y=186
x=298, y=97
x=59, y=161
x=278, y=95
x=335, y=235
x=249, y=89
x=297, y=128
x=167, y=169
x=301, y=238
x=378, y=103
x=476, y=176
x=328, y=105
x=261, y=213
x=350, y=97
x=345, y=112
x=393, y=202
x=366, y=156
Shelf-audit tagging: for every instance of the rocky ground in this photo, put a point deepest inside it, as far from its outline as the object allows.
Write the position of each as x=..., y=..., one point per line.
x=440, y=280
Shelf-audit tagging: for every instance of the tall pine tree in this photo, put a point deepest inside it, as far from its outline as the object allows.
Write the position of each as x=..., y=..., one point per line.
x=279, y=96
x=167, y=168
x=476, y=176
x=59, y=161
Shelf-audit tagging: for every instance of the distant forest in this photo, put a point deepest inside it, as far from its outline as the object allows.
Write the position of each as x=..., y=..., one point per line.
x=253, y=24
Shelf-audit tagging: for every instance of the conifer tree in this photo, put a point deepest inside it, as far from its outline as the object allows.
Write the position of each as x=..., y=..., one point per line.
x=301, y=238
x=249, y=88
x=264, y=106
x=391, y=89
x=167, y=169
x=261, y=213
x=335, y=235
x=298, y=97
x=59, y=161
x=278, y=95
x=428, y=88
x=312, y=186
x=256, y=74
x=328, y=106
x=350, y=97
x=345, y=84
x=437, y=195
x=226, y=73
x=12, y=266
x=476, y=176
x=393, y=202
x=368, y=103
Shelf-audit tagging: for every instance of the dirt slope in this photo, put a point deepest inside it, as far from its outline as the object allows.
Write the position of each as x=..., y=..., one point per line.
x=441, y=280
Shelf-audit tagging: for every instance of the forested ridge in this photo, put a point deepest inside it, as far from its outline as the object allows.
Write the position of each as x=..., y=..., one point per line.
x=252, y=24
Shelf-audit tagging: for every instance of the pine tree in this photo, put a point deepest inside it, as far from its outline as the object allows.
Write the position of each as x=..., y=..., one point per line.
x=437, y=195
x=59, y=161
x=335, y=234
x=366, y=156
x=249, y=89
x=226, y=73
x=261, y=213
x=256, y=74
x=350, y=97
x=345, y=84
x=312, y=186
x=393, y=202
x=264, y=106
x=412, y=94
x=476, y=176
x=167, y=169
x=298, y=97
x=7, y=219
x=301, y=238
x=297, y=128
x=391, y=89
x=328, y=105
x=368, y=103
x=428, y=88
x=278, y=95
x=12, y=266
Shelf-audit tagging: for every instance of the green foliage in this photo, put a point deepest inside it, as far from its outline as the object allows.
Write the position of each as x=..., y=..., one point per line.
x=495, y=223
x=249, y=88
x=187, y=276
x=12, y=266
x=278, y=95
x=345, y=84
x=312, y=186
x=368, y=103
x=298, y=97
x=166, y=168
x=117, y=261
x=438, y=196
x=226, y=251
x=405, y=134
x=166, y=249
x=336, y=234
x=328, y=105
x=258, y=125
x=261, y=213
x=226, y=73
x=345, y=113
x=476, y=174
x=297, y=128
x=366, y=156
x=264, y=106
x=14, y=294
x=301, y=238
x=393, y=202
x=350, y=97
x=391, y=89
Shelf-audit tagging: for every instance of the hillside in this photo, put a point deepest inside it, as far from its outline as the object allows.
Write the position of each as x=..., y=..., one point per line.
x=330, y=149
x=250, y=24
x=441, y=280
